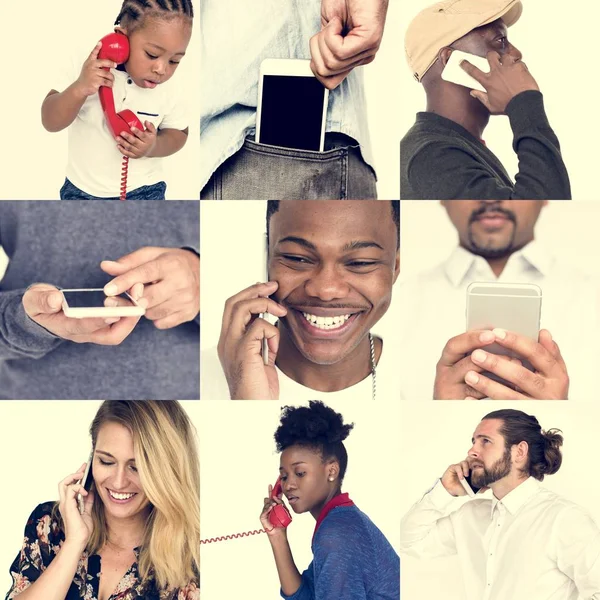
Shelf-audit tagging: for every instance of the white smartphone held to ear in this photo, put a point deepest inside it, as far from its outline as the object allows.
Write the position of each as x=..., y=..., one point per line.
x=454, y=73
x=92, y=302
x=514, y=307
x=292, y=105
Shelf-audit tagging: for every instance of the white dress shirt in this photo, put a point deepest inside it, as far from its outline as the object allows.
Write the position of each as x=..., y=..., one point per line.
x=214, y=384
x=531, y=545
x=434, y=302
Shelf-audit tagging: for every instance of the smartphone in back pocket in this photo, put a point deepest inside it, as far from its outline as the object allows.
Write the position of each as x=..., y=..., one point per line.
x=292, y=105
x=514, y=307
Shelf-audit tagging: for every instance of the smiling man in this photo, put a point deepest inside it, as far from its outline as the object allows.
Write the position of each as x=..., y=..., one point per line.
x=332, y=266
x=496, y=243
x=444, y=155
x=522, y=541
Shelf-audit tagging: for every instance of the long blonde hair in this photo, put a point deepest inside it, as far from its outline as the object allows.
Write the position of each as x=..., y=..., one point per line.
x=166, y=454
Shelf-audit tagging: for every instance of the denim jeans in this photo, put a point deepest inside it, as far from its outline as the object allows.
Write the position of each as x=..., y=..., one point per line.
x=261, y=172
x=147, y=192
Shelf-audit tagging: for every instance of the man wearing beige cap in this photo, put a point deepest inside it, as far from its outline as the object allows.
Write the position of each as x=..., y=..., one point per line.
x=443, y=155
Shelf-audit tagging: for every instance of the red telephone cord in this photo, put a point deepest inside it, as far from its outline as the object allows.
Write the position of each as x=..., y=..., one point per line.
x=231, y=537
x=124, y=170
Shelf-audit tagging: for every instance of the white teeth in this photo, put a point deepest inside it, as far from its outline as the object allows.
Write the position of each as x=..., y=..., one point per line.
x=120, y=496
x=326, y=322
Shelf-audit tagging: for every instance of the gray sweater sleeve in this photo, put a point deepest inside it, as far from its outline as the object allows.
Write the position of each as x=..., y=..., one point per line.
x=20, y=336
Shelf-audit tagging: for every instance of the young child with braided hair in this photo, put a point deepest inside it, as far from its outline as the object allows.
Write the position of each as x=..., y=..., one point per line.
x=159, y=32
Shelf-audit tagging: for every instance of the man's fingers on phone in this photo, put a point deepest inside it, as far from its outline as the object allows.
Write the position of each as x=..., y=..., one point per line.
x=475, y=72
x=42, y=299
x=243, y=311
x=492, y=389
x=541, y=359
x=114, y=334
x=259, y=330
x=457, y=347
x=258, y=290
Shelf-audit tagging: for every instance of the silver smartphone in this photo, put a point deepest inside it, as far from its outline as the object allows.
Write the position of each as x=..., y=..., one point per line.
x=516, y=307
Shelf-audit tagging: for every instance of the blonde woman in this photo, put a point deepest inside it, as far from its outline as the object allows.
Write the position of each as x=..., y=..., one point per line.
x=139, y=534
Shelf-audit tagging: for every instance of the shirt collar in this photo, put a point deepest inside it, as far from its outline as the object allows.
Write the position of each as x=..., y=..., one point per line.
x=461, y=262
x=515, y=499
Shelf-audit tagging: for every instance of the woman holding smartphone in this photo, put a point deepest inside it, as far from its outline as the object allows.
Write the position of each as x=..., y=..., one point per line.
x=138, y=536
x=352, y=559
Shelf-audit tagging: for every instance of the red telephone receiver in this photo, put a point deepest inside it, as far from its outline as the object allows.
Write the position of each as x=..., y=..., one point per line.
x=115, y=47
x=280, y=515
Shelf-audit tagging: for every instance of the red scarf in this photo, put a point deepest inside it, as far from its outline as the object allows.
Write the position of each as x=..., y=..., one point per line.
x=339, y=500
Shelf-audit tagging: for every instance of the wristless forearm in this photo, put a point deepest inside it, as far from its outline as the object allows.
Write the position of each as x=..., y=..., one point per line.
x=289, y=576
x=59, y=110
x=54, y=582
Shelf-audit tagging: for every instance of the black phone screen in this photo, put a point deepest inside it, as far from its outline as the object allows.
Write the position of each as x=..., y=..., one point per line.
x=473, y=487
x=92, y=299
x=292, y=112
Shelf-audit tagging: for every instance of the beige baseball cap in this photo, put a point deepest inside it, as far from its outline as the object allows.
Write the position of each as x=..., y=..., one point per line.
x=443, y=23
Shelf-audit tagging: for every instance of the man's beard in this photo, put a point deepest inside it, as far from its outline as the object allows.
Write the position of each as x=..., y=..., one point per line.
x=501, y=468
x=486, y=251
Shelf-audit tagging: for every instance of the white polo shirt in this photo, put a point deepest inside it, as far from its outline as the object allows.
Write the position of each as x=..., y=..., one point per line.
x=94, y=163
x=531, y=545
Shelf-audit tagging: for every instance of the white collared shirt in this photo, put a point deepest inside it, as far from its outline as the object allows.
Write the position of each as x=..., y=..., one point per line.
x=531, y=545
x=434, y=302
x=94, y=162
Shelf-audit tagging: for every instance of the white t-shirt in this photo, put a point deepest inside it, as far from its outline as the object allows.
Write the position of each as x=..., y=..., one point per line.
x=94, y=163
x=434, y=305
x=213, y=384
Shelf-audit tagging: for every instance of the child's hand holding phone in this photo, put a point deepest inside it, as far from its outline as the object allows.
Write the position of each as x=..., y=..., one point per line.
x=94, y=74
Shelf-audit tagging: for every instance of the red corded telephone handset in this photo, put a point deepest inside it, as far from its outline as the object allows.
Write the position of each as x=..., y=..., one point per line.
x=278, y=517
x=115, y=47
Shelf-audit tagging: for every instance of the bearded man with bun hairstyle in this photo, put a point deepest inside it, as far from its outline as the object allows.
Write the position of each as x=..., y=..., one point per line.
x=522, y=541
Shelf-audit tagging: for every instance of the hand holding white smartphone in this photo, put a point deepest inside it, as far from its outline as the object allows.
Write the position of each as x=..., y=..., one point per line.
x=86, y=481
x=292, y=105
x=468, y=486
x=93, y=302
x=454, y=73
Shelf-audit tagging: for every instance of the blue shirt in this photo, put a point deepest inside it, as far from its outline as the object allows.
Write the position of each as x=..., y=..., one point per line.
x=352, y=560
x=236, y=36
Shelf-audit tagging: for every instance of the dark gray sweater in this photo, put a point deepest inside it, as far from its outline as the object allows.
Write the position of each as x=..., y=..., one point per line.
x=62, y=243
x=441, y=160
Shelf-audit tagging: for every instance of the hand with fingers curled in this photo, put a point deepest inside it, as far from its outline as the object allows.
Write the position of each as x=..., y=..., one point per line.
x=508, y=77
x=170, y=279
x=454, y=474
x=95, y=73
x=241, y=340
x=43, y=304
x=350, y=36
x=269, y=503
x=138, y=144
x=78, y=526
x=460, y=370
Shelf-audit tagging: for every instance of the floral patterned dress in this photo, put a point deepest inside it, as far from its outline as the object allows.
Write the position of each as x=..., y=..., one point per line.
x=42, y=542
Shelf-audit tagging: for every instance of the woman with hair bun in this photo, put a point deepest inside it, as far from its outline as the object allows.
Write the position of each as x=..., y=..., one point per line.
x=134, y=533
x=352, y=559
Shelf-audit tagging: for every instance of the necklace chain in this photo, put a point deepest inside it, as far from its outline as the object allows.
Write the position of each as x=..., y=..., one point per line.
x=373, y=369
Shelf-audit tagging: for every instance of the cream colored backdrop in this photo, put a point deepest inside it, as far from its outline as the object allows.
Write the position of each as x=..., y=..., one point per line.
x=41, y=442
